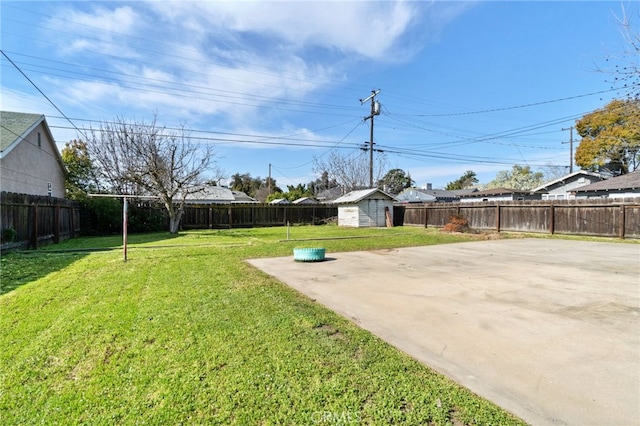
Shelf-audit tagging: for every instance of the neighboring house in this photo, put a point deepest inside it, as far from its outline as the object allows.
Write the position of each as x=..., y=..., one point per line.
x=304, y=200
x=561, y=188
x=413, y=195
x=429, y=195
x=30, y=162
x=365, y=208
x=280, y=201
x=616, y=187
x=461, y=192
x=218, y=195
x=499, y=194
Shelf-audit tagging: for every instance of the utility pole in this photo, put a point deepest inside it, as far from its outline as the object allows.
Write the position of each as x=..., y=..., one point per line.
x=570, y=148
x=375, y=110
x=269, y=183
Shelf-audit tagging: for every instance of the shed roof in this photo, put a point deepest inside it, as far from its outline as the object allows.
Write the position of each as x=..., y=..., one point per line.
x=627, y=181
x=357, y=196
x=16, y=126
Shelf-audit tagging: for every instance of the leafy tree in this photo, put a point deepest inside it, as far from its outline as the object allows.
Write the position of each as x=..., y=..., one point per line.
x=519, y=177
x=140, y=158
x=610, y=138
x=81, y=173
x=467, y=180
x=348, y=172
x=254, y=187
x=292, y=194
x=395, y=181
x=322, y=183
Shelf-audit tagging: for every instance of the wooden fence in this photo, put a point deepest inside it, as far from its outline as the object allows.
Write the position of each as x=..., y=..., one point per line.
x=30, y=221
x=255, y=215
x=602, y=217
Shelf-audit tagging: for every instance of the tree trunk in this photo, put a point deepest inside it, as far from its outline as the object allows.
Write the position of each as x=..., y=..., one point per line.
x=175, y=215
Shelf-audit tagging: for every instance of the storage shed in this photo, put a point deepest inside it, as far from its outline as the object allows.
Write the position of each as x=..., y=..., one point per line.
x=365, y=208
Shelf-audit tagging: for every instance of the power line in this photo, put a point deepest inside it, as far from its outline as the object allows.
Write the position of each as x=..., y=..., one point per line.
x=41, y=92
x=516, y=106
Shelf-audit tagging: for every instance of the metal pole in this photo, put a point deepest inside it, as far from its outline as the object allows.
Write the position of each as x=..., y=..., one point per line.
x=125, y=209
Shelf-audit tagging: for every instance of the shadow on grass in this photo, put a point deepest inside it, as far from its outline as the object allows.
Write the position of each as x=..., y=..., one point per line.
x=20, y=268
x=24, y=266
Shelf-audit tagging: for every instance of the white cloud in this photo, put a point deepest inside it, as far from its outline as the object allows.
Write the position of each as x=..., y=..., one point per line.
x=371, y=29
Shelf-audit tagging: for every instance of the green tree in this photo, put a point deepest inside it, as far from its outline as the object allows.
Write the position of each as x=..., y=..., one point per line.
x=81, y=173
x=519, y=177
x=610, y=138
x=257, y=187
x=467, y=180
x=395, y=181
x=322, y=183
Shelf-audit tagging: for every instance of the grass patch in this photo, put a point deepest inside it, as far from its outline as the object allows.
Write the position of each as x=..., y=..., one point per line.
x=187, y=332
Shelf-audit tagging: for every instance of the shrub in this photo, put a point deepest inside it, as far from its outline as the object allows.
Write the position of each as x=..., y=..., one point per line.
x=457, y=224
x=9, y=235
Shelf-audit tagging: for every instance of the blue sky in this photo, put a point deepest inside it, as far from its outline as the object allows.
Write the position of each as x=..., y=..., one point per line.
x=463, y=85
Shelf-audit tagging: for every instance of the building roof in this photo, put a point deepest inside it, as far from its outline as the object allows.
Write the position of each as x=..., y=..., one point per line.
x=496, y=192
x=280, y=201
x=357, y=196
x=218, y=194
x=304, y=200
x=15, y=127
x=563, y=179
x=439, y=194
x=412, y=195
x=466, y=191
x=627, y=181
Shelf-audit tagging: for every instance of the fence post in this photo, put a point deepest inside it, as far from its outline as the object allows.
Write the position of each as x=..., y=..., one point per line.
x=552, y=218
x=230, y=217
x=210, y=217
x=34, y=227
x=56, y=223
x=622, y=221
x=426, y=216
x=497, y=217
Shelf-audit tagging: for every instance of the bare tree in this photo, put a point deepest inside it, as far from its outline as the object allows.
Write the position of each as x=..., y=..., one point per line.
x=349, y=172
x=625, y=69
x=140, y=158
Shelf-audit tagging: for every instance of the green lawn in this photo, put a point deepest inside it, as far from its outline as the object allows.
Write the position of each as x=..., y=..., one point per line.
x=186, y=332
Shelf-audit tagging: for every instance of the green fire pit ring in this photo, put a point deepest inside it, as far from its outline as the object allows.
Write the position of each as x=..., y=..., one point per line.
x=308, y=254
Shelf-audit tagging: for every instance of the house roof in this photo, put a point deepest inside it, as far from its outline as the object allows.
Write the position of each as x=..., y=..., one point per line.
x=356, y=196
x=464, y=191
x=16, y=126
x=218, y=194
x=496, y=192
x=565, y=178
x=304, y=200
x=627, y=181
x=412, y=195
x=439, y=194
x=280, y=201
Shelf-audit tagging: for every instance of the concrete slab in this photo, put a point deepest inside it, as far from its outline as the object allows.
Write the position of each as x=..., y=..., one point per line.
x=547, y=329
